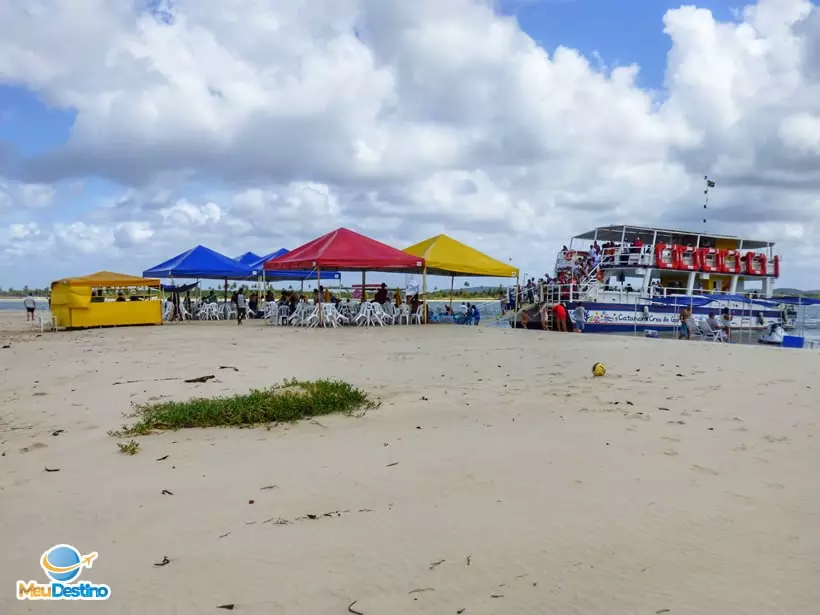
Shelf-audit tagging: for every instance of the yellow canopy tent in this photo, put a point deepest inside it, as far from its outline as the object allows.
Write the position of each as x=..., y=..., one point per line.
x=444, y=255
x=109, y=279
x=74, y=306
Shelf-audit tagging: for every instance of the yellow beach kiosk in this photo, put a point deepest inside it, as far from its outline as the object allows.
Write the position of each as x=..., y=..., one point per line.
x=78, y=303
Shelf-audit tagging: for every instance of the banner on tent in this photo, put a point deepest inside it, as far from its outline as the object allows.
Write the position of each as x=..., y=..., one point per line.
x=411, y=285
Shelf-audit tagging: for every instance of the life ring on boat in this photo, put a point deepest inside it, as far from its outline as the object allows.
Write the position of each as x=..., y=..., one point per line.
x=646, y=312
x=761, y=320
x=710, y=260
x=756, y=263
x=666, y=256
x=600, y=275
x=776, y=265
x=732, y=262
x=688, y=258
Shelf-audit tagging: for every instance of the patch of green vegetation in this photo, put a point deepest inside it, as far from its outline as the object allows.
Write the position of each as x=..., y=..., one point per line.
x=132, y=447
x=285, y=403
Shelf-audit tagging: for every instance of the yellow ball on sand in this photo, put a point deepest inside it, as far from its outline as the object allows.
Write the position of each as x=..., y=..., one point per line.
x=599, y=369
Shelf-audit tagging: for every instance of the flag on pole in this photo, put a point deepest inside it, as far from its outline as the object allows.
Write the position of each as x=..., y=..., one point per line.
x=709, y=184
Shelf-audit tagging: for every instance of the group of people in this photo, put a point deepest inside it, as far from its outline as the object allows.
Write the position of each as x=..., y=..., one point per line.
x=469, y=314
x=688, y=326
x=251, y=307
x=561, y=320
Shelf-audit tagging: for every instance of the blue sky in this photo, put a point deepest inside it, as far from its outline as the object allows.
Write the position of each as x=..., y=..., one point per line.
x=621, y=33
x=570, y=194
x=618, y=33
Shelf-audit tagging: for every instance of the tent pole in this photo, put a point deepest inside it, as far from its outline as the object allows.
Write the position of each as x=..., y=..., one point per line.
x=319, y=294
x=424, y=293
x=364, y=293
x=452, y=281
x=515, y=307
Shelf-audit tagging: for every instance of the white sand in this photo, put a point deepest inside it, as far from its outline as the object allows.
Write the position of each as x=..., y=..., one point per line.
x=524, y=476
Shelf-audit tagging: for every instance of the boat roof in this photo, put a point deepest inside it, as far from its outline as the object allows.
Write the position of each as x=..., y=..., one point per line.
x=631, y=233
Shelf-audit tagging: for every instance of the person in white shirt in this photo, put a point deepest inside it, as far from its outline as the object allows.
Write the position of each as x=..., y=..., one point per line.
x=30, y=304
x=240, y=306
x=580, y=317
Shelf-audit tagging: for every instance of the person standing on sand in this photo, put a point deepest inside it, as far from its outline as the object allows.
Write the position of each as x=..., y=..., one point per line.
x=30, y=304
x=240, y=306
x=559, y=314
x=685, y=332
x=580, y=314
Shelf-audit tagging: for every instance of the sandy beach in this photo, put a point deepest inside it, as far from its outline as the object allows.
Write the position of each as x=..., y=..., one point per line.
x=498, y=476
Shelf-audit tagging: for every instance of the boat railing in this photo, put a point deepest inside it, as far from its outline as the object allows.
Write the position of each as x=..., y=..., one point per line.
x=561, y=293
x=590, y=289
x=627, y=256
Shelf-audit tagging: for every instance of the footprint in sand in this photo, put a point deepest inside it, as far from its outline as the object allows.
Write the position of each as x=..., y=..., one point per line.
x=33, y=447
x=670, y=438
x=704, y=470
x=774, y=439
x=777, y=486
x=671, y=452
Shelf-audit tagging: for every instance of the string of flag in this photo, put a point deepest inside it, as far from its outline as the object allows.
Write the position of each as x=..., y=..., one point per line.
x=709, y=184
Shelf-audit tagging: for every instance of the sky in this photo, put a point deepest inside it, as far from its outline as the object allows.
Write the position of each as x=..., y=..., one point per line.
x=132, y=130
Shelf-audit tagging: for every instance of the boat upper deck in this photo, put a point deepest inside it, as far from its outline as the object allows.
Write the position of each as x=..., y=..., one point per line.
x=650, y=235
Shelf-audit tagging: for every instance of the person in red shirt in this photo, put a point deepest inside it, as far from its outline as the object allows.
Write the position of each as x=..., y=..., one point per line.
x=559, y=315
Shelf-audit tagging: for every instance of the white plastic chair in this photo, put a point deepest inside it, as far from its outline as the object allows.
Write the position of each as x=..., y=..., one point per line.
x=416, y=317
x=272, y=313
x=228, y=311
x=331, y=316
x=379, y=315
x=369, y=314
x=403, y=314
x=300, y=314
x=47, y=322
x=390, y=313
x=311, y=318
x=706, y=332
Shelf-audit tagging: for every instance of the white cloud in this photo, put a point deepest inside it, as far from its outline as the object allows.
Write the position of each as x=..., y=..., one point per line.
x=15, y=194
x=255, y=125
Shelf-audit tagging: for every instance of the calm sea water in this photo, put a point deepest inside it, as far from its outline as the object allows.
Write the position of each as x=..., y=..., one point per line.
x=492, y=309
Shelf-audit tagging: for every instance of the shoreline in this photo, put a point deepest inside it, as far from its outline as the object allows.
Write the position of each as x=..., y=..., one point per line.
x=21, y=299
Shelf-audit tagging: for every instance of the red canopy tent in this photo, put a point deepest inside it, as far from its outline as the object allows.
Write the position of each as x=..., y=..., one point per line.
x=346, y=250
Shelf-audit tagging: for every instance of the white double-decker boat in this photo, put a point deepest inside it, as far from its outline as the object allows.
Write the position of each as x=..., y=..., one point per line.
x=639, y=278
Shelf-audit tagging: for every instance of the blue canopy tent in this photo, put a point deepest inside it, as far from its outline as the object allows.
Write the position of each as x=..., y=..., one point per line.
x=201, y=263
x=176, y=288
x=284, y=276
x=248, y=258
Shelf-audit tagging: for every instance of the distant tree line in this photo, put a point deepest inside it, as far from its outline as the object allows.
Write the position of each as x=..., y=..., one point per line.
x=22, y=292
